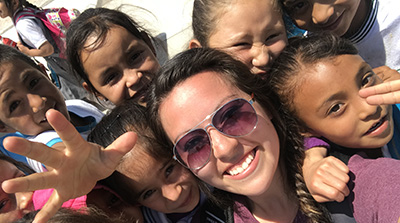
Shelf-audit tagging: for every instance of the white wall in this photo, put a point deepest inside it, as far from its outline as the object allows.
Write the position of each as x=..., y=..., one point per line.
x=169, y=20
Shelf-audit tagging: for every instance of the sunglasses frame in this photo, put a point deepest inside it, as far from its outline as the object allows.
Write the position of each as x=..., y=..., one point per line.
x=211, y=117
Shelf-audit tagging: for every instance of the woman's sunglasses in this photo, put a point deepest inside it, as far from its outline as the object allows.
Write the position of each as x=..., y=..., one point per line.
x=234, y=119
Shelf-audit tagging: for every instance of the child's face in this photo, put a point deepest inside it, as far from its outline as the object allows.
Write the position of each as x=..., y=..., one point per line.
x=13, y=206
x=336, y=16
x=25, y=96
x=166, y=187
x=122, y=67
x=252, y=31
x=4, y=11
x=328, y=102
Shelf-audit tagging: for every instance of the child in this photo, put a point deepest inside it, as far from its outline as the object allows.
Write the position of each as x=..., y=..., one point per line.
x=36, y=40
x=318, y=79
x=112, y=54
x=148, y=174
x=27, y=94
x=372, y=25
x=252, y=31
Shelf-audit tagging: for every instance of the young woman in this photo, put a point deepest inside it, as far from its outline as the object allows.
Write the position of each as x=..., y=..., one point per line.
x=227, y=131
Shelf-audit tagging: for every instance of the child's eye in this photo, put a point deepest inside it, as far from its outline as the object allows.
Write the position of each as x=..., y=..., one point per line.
x=271, y=37
x=368, y=80
x=14, y=105
x=169, y=170
x=295, y=7
x=113, y=202
x=136, y=58
x=336, y=109
x=33, y=83
x=3, y=203
x=241, y=44
x=148, y=193
x=110, y=78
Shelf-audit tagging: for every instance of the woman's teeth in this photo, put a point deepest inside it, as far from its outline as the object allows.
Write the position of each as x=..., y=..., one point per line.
x=243, y=167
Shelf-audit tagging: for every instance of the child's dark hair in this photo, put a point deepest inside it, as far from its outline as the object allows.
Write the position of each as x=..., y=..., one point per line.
x=205, y=16
x=21, y=166
x=64, y=215
x=129, y=116
x=10, y=55
x=96, y=22
x=194, y=61
x=285, y=76
x=21, y=4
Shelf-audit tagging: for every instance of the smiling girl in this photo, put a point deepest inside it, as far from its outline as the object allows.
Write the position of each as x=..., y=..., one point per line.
x=325, y=74
x=112, y=54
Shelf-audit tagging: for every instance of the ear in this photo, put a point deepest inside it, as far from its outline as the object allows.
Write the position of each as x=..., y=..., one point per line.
x=97, y=94
x=147, y=40
x=194, y=43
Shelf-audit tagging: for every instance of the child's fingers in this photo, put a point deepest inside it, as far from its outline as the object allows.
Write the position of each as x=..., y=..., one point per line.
x=34, y=150
x=50, y=208
x=383, y=93
x=112, y=155
x=65, y=130
x=31, y=182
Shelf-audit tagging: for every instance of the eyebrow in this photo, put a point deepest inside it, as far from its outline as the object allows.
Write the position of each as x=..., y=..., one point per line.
x=221, y=103
x=361, y=71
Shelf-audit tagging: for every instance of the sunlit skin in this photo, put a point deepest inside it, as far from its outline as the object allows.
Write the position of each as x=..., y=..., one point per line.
x=329, y=103
x=25, y=95
x=342, y=17
x=121, y=68
x=111, y=204
x=13, y=206
x=199, y=96
x=253, y=31
x=166, y=186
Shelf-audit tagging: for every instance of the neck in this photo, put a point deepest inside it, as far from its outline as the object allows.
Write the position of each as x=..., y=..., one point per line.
x=359, y=19
x=276, y=204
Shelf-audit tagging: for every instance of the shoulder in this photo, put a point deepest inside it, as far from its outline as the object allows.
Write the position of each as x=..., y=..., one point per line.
x=84, y=109
x=375, y=185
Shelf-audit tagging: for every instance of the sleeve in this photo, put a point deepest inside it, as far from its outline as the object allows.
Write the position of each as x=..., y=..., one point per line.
x=30, y=32
x=310, y=142
x=375, y=185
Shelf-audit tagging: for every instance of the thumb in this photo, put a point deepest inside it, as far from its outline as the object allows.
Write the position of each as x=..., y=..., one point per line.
x=122, y=145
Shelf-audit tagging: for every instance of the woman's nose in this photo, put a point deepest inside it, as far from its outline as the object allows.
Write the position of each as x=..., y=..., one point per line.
x=223, y=147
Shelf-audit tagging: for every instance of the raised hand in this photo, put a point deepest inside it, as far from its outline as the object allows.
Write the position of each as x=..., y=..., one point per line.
x=75, y=168
x=385, y=93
